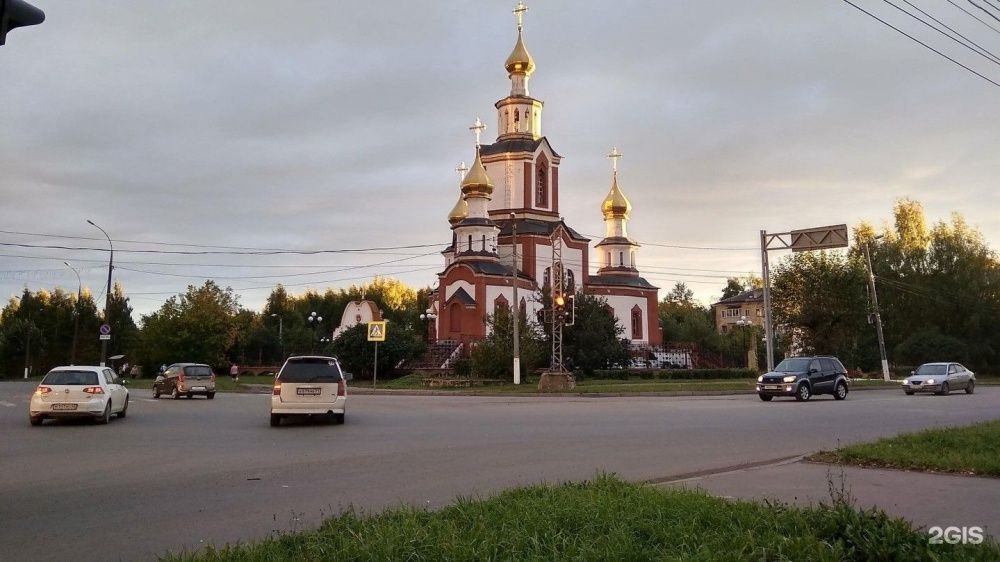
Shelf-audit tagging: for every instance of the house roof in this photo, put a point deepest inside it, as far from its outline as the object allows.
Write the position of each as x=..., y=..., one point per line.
x=612, y=280
x=753, y=295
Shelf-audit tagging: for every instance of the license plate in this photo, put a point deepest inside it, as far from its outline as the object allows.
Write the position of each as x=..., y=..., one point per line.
x=64, y=406
x=197, y=388
x=307, y=391
x=772, y=387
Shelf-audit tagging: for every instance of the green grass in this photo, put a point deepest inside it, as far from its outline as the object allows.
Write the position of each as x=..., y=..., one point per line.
x=606, y=519
x=973, y=449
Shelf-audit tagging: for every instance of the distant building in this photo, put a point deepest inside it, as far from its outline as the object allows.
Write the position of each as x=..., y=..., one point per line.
x=748, y=304
x=357, y=312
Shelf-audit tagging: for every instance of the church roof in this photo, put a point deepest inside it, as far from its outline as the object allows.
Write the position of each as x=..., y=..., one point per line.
x=538, y=227
x=620, y=240
x=515, y=144
x=612, y=280
x=462, y=297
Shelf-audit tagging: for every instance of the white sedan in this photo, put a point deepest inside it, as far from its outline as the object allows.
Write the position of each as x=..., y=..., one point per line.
x=79, y=392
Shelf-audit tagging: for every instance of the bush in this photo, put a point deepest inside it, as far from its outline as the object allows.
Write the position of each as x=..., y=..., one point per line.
x=462, y=367
x=931, y=345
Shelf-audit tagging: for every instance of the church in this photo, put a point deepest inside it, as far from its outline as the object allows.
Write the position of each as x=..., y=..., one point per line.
x=510, y=195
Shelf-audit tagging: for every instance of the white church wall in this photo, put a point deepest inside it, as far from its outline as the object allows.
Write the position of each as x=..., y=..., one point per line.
x=622, y=306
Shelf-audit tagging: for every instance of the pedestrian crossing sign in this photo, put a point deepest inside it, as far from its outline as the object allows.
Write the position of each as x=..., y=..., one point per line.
x=376, y=331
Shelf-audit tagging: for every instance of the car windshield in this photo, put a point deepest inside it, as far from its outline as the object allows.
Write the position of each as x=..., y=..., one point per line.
x=79, y=378
x=313, y=369
x=932, y=370
x=198, y=370
x=797, y=365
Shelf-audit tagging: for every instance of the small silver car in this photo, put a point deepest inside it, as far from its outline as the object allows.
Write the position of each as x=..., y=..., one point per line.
x=940, y=378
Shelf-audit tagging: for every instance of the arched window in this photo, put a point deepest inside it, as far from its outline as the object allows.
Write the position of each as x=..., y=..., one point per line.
x=455, y=317
x=570, y=282
x=621, y=259
x=607, y=262
x=484, y=242
x=469, y=248
x=542, y=187
x=524, y=308
x=501, y=303
x=636, y=323
x=517, y=121
x=631, y=259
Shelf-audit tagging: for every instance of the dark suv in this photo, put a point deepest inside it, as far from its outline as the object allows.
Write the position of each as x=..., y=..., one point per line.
x=803, y=377
x=185, y=379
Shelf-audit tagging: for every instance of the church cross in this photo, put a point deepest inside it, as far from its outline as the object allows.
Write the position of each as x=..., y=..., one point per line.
x=478, y=127
x=461, y=169
x=614, y=156
x=519, y=14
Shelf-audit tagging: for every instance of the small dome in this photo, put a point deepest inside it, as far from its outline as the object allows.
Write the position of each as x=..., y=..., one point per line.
x=616, y=205
x=476, y=181
x=520, y=61
x=459, y=211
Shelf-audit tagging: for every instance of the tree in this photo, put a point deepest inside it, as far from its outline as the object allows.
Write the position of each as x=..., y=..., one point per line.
x=494, y=356
x=595, y=340
x=357, y=354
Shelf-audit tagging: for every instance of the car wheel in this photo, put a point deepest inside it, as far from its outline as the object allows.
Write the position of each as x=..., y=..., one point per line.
x=190, y=396
x=210, y=395
x=339, y=418
x=106, y=417
x=35, y=420
x=765, y=397
x=971, y=387
x=944, y=389
x=124, y=411
x=840, y=392
x=803, y=393
x=176, y=394
x=275, y=420
x=156, y=392
x=908, y=392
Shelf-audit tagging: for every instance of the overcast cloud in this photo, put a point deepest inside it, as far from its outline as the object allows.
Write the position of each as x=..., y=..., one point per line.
x=319, y=125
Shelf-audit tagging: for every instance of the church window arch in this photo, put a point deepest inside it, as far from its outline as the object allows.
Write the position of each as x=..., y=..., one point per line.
x=469, y=247
x=484, y=242
x=636, y=323
x=631, y=259
x=517, y=120
x=607, y=261
x=621, y=259
x=501, y=303
x=542, y=186
x=524, y=308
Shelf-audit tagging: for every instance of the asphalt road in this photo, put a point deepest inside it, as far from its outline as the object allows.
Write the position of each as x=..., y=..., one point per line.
x=181, y=474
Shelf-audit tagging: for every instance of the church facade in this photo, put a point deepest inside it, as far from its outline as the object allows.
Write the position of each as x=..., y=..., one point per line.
x=512, y=191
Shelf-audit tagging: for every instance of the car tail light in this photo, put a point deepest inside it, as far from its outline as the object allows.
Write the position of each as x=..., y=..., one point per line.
x=277, y=389
x=213, y=377
x=94, y=390
x=180, y=378
x=341, y=389
x=42, y=390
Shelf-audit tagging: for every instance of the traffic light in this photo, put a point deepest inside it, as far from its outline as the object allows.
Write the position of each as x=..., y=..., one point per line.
x=570, y=314
x=17, y=13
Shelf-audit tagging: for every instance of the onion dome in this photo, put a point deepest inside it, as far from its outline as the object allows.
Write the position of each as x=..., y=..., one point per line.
x=520, y=61
x=616, y=205
x=476, y=182
x=459, y=211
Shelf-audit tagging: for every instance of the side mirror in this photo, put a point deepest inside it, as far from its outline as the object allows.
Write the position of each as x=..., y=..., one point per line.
x=913, y=372
x=348, y=377
x=124, y=382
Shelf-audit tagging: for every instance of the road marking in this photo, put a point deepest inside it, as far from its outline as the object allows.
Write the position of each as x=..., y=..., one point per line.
x=8, y=404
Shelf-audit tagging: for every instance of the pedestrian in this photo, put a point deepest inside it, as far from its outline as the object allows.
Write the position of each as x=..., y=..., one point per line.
x=234, y=372
x=134, y=373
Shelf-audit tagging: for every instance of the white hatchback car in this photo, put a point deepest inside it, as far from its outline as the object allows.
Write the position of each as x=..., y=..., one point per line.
x=79, y=392
x=309, y=386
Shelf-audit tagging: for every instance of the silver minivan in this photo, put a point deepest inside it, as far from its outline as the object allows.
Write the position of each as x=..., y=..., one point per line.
x=309, y=386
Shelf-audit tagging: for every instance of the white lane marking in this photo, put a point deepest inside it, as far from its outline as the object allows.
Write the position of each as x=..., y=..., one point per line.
x=8, y=404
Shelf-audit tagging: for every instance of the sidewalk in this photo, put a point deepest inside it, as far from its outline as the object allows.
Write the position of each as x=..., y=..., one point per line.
x=926, y=499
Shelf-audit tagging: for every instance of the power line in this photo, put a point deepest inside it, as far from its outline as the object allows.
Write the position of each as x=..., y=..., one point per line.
x=973, y=16
x=912, y=38
x=989, y=13
x=229, y=252
x=974, y=46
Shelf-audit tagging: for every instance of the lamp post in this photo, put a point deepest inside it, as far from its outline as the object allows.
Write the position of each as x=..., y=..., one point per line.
x=314, y=321
x=429, y=317
x=76, y=313
x=281, y=336
x=107, y=294
x=744, y=324
x=878, y=317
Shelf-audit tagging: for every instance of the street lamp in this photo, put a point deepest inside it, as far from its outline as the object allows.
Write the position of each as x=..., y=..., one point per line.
x=107, y=295
x=76, y=313
x=745, y=324
x=281, y=338
x=429, y=317
x=314, y=321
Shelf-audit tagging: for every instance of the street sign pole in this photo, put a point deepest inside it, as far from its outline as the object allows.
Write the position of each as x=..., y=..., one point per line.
x=375, y=368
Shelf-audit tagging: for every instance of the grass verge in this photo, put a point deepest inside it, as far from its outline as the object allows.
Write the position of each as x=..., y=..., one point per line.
x=973, y=449
x=607, y=519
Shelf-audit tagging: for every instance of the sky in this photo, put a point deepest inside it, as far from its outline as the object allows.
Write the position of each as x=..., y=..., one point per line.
x=315, y=125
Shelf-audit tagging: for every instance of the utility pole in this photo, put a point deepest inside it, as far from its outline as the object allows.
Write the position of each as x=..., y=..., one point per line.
x=768, y=324
x=107, y=295
x=516, y=307
x=878, y=317
x=76, y=313
x=281, y=336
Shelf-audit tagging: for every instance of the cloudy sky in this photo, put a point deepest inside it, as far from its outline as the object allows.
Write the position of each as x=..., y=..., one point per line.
x=318, y=125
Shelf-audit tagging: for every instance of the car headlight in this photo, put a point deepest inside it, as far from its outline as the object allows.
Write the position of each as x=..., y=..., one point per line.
x=790, y=378
x=906, y=381
x=930, y=381
x=760, y=378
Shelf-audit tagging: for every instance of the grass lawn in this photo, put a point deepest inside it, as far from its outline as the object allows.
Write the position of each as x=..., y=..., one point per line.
x=973, y=449
x=606, y=519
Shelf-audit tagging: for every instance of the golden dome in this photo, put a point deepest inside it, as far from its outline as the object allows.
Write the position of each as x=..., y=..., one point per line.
x=616, y=205
x=520, y=60
x=459, y=211
x=476, y=181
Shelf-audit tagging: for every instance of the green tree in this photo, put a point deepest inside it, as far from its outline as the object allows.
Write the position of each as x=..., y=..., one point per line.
x=197, y=326
x=595, y=340
x=494, y=356
x=357, y=354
